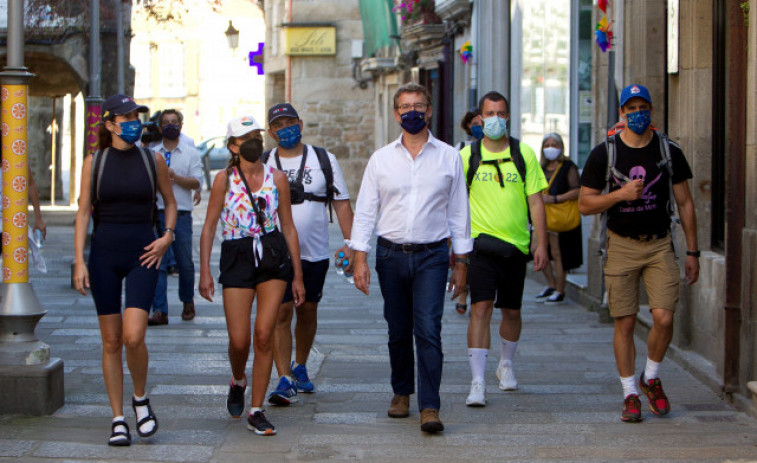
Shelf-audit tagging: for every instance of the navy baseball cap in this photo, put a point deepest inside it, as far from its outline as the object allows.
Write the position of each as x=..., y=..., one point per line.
x=634, y=91
x=118, y=105
x=281, y=110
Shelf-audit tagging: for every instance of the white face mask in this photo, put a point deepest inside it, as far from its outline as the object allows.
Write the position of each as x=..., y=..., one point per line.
x=552, y=153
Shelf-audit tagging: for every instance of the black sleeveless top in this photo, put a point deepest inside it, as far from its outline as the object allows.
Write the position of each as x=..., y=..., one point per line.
x=125, y=191
x=561, y=184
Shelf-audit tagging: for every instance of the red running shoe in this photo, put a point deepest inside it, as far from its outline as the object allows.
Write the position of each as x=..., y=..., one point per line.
x=631, y=409
x=658, y=401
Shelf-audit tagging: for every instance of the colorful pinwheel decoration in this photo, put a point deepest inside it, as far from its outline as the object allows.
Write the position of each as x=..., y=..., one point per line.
x=603, y=32
x=466, y=52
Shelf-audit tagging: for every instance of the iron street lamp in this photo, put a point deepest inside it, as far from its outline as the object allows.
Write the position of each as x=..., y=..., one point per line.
x=232, y=36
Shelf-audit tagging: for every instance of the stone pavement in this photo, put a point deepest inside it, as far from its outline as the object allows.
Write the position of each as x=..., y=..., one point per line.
x=567, y=407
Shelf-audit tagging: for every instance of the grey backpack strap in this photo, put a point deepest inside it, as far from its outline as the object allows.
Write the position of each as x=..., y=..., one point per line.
x=672, y=206
x=98, y=165
x=150, y=167
x=611, y=158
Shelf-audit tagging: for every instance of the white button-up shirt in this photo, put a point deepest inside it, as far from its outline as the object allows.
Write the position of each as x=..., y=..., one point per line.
x=185, y=161
x=421, y=200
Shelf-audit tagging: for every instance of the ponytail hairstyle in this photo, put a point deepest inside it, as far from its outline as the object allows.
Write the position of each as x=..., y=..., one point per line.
x=104, y=136
x=233, y=161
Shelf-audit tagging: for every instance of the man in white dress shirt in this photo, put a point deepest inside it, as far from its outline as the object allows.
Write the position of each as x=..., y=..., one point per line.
x=185, y=172
x=415, y=185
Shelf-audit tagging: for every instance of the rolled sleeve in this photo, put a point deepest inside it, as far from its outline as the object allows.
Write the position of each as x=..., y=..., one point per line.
x=195, y=165
x=458, y=212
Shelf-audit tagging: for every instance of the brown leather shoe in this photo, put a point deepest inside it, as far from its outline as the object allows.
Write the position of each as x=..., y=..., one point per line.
x=430, y=421
x=189, y=311
x=400, y=407
x=158, y=318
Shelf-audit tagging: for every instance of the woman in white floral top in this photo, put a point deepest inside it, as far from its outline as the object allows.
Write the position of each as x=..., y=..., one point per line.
x=239, y=194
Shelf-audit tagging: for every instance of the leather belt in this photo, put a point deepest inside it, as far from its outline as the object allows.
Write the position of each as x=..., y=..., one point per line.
x=648, y=237
x=408, y=247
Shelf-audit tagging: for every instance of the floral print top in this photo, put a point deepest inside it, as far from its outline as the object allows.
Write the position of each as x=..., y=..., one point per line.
x=238, y=217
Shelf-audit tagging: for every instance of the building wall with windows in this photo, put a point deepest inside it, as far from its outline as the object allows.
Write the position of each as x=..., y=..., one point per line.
x=187, y=64
x=336, y=107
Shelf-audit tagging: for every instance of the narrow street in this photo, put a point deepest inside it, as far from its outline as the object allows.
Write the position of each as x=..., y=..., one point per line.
x=566, y=409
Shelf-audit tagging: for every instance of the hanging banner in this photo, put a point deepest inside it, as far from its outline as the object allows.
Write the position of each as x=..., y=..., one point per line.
x=14, y=105
x=94, y=109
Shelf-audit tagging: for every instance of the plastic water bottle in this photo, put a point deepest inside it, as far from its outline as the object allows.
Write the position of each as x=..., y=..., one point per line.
x=338, y=263
x=347, y=275
x=39, y=240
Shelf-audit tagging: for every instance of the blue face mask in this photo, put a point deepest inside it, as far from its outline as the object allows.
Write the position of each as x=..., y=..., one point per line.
x=477, y=131
x=495, y=127
x=289, y=137
x=130, y=131
x=639, y=121
x=413, y=121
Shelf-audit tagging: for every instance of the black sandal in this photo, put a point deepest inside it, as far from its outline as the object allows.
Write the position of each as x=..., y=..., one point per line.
x=119, y=438
x=150, y=417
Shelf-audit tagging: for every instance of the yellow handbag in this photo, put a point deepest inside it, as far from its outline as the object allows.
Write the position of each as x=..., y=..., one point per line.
x=564, y=216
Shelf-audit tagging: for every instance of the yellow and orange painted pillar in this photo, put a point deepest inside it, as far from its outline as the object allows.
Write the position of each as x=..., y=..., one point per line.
x=14, y=104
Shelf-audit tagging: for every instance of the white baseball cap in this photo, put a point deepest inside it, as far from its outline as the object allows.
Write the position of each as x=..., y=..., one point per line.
x=241, y=126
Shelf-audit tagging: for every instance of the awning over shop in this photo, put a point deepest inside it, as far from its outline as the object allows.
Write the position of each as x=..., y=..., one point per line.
x=379, y=25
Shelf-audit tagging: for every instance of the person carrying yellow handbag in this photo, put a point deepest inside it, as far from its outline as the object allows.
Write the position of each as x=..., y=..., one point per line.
x=563, y=218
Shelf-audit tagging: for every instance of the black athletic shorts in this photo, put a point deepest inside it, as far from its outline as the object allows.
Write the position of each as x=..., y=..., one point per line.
x=490, y=276
x=313, y=276
x=238, y=266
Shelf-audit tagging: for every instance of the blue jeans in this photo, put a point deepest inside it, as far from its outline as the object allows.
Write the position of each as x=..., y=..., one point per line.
x=413, y=286
x=182, y=249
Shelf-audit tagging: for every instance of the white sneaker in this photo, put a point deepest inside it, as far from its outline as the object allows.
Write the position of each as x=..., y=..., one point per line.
x=507, y=381
x=477, y=396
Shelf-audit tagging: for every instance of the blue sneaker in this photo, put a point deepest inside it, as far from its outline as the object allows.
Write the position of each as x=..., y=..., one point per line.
x=284, y=394
x=301, y=379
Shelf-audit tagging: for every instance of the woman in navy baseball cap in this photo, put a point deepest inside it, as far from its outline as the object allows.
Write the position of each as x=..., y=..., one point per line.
x=118, y=188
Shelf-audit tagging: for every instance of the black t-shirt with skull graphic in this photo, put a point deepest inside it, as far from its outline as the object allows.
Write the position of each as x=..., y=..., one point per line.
x=648, y=214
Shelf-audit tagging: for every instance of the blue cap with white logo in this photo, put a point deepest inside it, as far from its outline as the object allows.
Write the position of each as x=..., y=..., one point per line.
x=634, y=91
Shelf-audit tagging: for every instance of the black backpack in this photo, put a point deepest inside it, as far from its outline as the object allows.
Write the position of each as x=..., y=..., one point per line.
x=666, y=161
x=328, y=173
x=475, y=161
x=98, y=165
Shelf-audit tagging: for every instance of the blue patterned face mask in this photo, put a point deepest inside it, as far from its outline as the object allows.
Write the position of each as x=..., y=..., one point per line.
x=130, y=131
x=477, y=131
x=639, y=121
x=289, y=137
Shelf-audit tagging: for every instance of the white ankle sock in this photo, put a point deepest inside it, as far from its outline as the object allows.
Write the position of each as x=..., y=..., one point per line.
x=142, y=412
x=651, y=371
x=477, y=359
x=507, y=350
x=255, y=409
x=119, y=428
x=629, y=386
x=239, y=382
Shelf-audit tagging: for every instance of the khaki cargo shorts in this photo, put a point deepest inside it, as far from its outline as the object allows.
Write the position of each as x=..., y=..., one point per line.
x=630, y=259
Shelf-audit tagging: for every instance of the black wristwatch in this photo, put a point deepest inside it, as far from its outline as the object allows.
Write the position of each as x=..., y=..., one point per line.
x=696, y=253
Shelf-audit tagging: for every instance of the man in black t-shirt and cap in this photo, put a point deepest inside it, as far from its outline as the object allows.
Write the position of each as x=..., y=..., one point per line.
x=639, y=243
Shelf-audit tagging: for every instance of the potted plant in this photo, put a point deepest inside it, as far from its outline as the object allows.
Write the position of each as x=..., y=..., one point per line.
x=416, y=11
